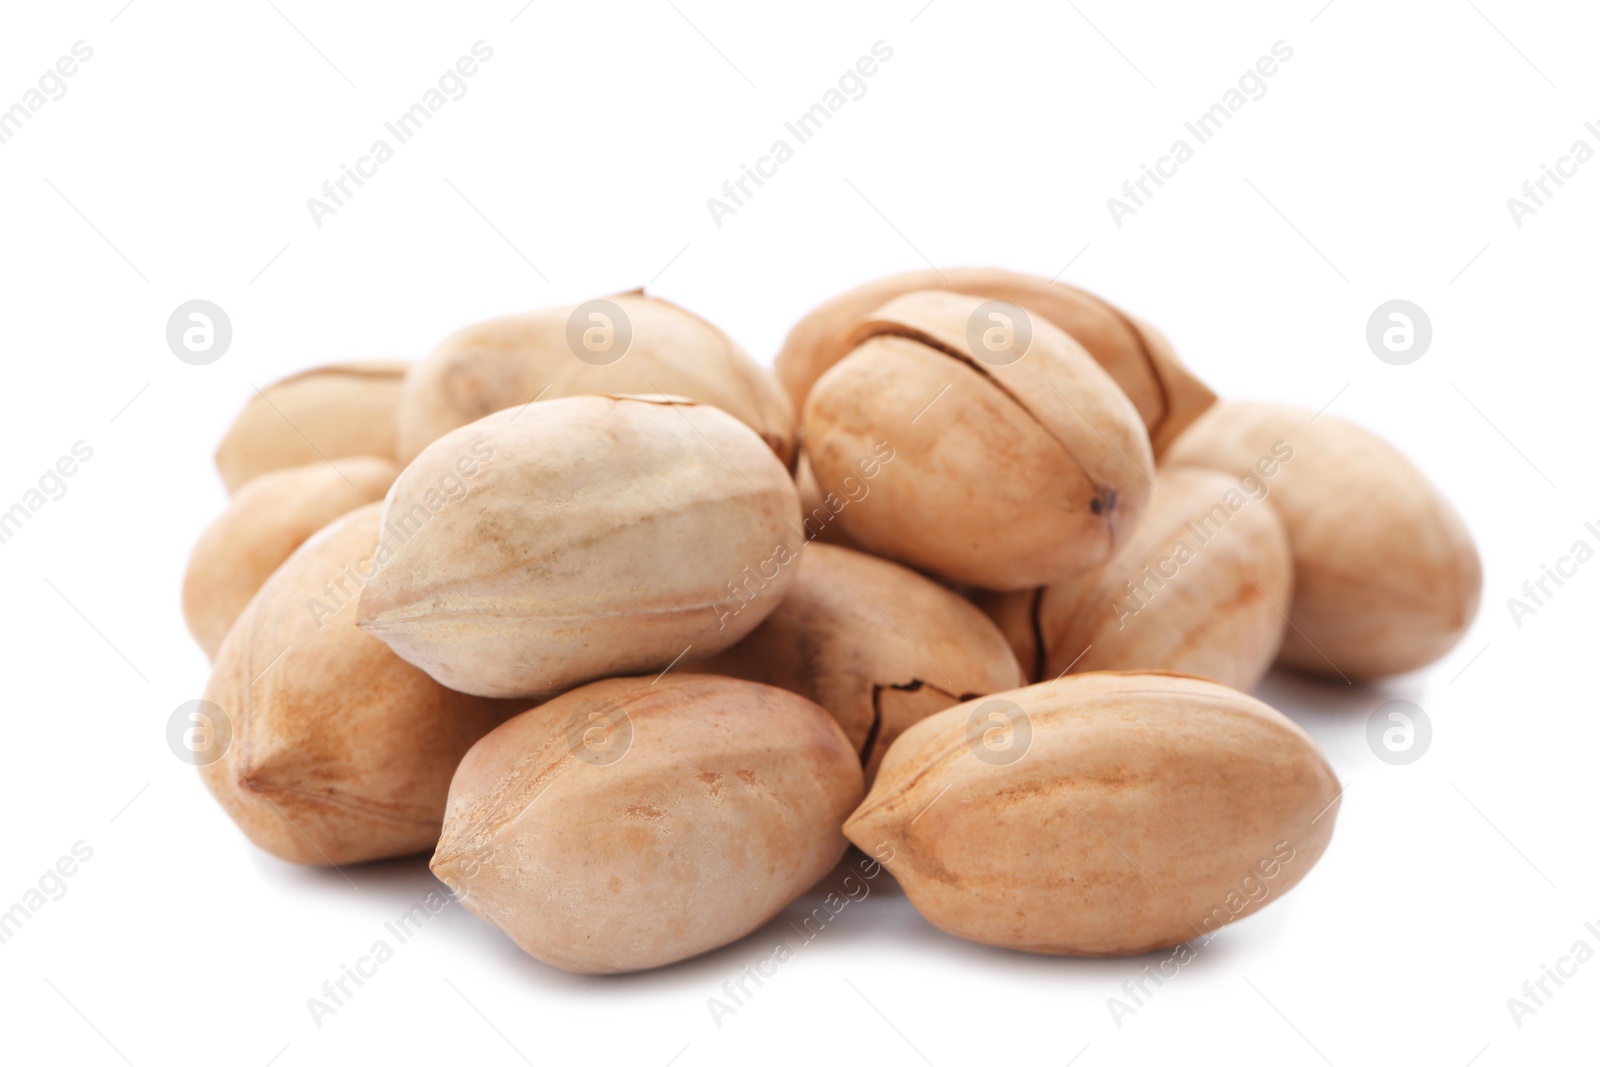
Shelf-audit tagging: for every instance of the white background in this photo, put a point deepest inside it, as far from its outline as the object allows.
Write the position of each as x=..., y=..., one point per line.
x=1377, y=166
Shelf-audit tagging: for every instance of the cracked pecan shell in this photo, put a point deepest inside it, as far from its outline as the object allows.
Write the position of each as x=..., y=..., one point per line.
x=877, y=644
x=1141, y=360
x=1012, y=468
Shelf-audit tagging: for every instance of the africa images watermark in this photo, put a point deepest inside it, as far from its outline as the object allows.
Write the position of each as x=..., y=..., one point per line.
x=52, y=85
x=399, y=527
x=410, y=122
x=1538, y=191
x=854, y=491
x=1202, y=128
x=744, y=587
x=1537, y=590
x=52, y=485
x=1200, y=530
x=1536, y=991
x=1253, y=888
x=51, y=885
x=337, y=992
x=806, y=126
x=738, y=992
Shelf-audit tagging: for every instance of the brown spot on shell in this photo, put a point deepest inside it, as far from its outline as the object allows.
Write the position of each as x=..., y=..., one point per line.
x=644, y=811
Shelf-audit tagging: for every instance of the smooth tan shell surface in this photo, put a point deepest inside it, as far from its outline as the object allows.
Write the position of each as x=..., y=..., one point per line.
x=1003, y=476
x=508, y=361
x=266, y=520
x=596, y=536
x=341, y=752
x=1386, y=575
x=1117, y=814
x=1167, y=396
x=345, y=409
x=878, y=645
x=630, y=824
x=1203, y=587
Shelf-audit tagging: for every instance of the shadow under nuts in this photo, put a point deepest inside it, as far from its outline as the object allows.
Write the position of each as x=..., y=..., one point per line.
x=1202, y=587
x=337, y=750
x=595, y=536
x=346, y=409
x=1099, y=814
x=1386, y=577
x=878, y=645
x=1014, y=467
x=630, y=824
x=270, y=517
x=627, y=343
x=1141, y=361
